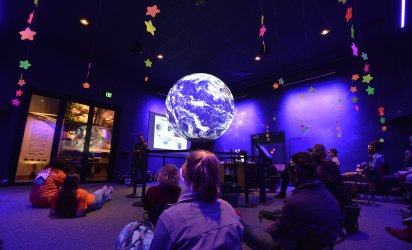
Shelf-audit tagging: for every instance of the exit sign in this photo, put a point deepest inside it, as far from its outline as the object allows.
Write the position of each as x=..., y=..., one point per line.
x=109, y=94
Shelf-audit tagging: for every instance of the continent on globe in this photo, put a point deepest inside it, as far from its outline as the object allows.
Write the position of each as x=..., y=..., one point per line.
x=200, y=107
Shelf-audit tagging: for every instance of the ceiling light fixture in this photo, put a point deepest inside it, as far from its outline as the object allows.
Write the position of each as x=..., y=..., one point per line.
x=324, y=32
x=159, y=56
x=403, y=14
x=84, y=21
x=257, y=58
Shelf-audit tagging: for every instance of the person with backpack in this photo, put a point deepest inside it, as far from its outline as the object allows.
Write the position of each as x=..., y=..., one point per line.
x=72, y=201
x=168, y=191
x=47, y=183
x=199, y=220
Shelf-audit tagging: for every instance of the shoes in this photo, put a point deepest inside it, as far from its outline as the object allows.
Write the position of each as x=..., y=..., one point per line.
x=406, y=221
x=402, y=234
x=270, y=215
x=280, y=196
x=110, y=191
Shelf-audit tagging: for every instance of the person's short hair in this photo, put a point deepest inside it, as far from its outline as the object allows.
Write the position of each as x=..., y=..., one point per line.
x=319, y=151
x=169, y=175
x=376, y=146
x=304, y=164
x=57, y=163
x=334, y=151
x=201, y=171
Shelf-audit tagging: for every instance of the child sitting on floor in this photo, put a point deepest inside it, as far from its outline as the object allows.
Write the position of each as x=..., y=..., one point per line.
x=71, y=201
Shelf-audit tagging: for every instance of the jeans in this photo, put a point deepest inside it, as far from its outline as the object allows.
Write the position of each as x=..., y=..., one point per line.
x=100, y=197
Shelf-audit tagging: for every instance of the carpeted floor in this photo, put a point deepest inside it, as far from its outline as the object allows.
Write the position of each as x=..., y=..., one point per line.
x=24, y=227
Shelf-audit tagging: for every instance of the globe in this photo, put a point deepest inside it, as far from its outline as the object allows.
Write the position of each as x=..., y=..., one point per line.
x=200, y=107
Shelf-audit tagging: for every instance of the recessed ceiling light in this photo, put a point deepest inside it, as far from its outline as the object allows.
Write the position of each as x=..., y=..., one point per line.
x=84, y=21
x=257, y=58
x=324, y=32
x=159, y=56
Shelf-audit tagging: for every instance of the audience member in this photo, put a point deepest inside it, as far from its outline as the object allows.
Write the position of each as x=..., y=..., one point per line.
x=138, y=161
x=374, y=168
x=199, y=220
x=402, y=234
x=333, y=155
x=168, y=191
x=319, y=153
x=310, y=218
x=47, y=183
x=71, y=201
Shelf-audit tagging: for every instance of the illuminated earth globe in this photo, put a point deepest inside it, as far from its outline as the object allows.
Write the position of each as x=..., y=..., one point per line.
x=200, y=107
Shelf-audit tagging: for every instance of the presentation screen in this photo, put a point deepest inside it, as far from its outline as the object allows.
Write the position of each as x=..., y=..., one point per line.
x=162, y=136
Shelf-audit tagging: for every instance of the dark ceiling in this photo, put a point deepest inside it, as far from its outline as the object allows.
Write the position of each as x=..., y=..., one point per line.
x=219, y=37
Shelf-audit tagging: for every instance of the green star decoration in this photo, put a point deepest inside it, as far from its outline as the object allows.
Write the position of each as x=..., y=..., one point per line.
x=370, y=90
x=381, y=140
x=355, y=99
x=352, y=32
x=148, y=63
x=25, y=64
x=368, y=78
x=312, y=90
x=382, y=120
x=342, y=1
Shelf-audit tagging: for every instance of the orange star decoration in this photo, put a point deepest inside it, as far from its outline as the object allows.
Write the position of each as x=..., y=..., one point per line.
x=348, y=15
x=275, y=86
x=384, y=128
x=353, y=89
x=86, y=85
x=152, y=11
x=355, y=77
x=146, y=79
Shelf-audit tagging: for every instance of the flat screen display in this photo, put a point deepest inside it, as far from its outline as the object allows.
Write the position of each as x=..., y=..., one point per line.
x=162, y=136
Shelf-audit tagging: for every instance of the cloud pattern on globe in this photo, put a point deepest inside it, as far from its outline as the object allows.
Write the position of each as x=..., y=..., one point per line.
x=200, y=107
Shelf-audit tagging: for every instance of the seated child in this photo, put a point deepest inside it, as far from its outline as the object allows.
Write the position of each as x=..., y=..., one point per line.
x=71, y=201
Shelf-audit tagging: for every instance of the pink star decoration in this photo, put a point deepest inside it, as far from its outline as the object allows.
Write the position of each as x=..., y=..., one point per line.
x=15, y=102
x=381, y=111
x=366, y=68
x=353, y=89
x=262, y=30
x=357, y=108
x=21, y=82
x=27, y=34
x=19, y=92
x=152, y=11
x=30, y=17
x=354, y=49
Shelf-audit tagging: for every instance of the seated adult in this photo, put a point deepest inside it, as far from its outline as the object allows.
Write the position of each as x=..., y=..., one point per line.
x=407, y=166
x=168, y=191
x=199, y=220
x=47, y=183
x=333, y=155
x=310, y=218
x=374, y=168
x=71, y=201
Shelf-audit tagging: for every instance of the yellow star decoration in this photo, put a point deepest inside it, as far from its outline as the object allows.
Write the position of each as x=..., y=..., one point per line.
x=381, y=140
x=275, y=86
x=312, y=90
x=148, y=63
x=302, y=96
x=36, y=2
x=149, y=27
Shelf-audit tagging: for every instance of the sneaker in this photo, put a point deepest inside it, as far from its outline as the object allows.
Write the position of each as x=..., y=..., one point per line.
x=109, y=192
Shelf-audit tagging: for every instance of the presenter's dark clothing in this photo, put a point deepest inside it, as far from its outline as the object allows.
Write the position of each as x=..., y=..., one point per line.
x=138, y=161
x=156, y=199
x=311, y=216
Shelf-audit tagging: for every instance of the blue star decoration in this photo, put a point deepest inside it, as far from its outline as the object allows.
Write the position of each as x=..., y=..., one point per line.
x=364, y=56
x=281, y=81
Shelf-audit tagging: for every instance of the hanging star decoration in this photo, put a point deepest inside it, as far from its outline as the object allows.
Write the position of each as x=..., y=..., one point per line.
x=86, y=85
x=348, y=15
x=355, y=77
x=381, y=140
x=384, y=128
x=366, y=68
x=27, y=34
x=152, y=11
x=370, y=90
x=302, y=96
x=281, y=81
x=339, y=135
x=19, y=92
x=357, y=108
x=342, y=1
x=368, y=78
x=353, y=89
x=36, y=2
x=25, y=64
x=355, y=99
x=382, y=120
x=30, y=17
x=149, y=27
x=275, y=86
x=15, y=102
x=312, y=90
x=148, y=63
x=381, y=111
x=352, y=32
x=21, y=82
x=354, y=49
x=262, y=30
x=146, y=78
x=364, y=56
